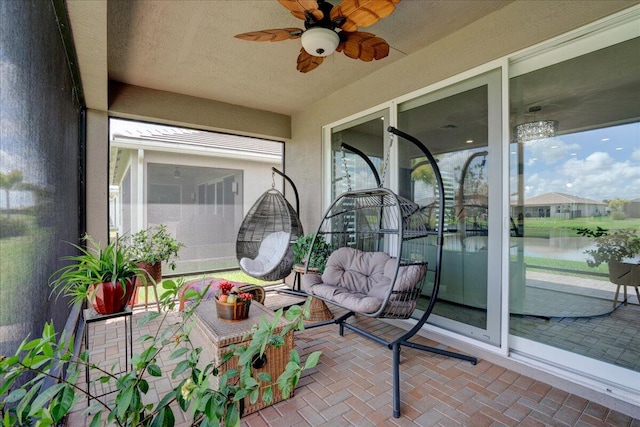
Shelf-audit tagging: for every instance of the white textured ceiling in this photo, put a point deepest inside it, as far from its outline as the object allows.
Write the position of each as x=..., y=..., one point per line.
x=188, y=47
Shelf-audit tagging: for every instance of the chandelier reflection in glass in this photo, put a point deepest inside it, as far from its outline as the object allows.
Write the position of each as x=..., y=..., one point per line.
x=537, y=129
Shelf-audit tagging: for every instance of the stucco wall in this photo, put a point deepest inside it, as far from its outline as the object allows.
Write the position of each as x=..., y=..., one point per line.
x=515, y=27
x=165, y=107
x=97, y=194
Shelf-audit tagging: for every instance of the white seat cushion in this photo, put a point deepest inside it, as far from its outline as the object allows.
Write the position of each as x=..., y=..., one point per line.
x=269, y=255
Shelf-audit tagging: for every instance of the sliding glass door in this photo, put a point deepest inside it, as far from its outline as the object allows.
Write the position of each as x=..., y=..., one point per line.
x=461, y=126
x=583, y=173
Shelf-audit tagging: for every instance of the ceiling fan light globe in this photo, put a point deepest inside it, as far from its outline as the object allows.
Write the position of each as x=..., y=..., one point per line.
x=320, y=41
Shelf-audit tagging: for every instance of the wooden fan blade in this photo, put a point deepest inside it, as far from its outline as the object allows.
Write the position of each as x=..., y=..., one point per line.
x=363, y=46
x=299, y=7
x=308, y=62
x=362, y=13
x=276, y=35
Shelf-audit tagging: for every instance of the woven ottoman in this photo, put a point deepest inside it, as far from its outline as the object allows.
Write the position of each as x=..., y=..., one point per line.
x=215, y=336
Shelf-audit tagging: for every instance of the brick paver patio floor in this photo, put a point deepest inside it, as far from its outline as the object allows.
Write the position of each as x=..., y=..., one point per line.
x=351, y=386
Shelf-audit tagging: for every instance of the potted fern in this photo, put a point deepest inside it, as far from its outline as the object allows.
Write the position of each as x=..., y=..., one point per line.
x=105, y=276
x=318, y=257
x=26, y=400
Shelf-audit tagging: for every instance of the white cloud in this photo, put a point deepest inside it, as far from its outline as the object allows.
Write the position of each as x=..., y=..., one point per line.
x=599, y=177
x=551, y=150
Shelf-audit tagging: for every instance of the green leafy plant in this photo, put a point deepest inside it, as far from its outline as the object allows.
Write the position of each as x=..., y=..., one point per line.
x=155, y=244
x=319, y=254
x=616, y=246
x=191, y=392
x=94, y=264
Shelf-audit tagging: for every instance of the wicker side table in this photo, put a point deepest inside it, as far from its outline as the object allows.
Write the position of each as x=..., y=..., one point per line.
x=215, y=336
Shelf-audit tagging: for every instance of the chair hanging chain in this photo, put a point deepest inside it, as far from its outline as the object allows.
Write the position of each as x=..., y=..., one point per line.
x=385, y=165
x=273, y=179
x=346, y=169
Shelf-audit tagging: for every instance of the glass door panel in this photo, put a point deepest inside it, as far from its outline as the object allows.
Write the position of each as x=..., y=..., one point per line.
x=358, y=150
x=460, y=125
x=584, y=175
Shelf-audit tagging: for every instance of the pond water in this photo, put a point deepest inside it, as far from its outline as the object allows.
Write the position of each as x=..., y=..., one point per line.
x=560, y=247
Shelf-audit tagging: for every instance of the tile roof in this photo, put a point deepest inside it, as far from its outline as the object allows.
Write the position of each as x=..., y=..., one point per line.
x=559, y=198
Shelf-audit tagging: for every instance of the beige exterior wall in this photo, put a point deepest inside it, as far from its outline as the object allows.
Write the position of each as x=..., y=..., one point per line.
x=97, y=170
x=134, y=102
x=515, y=27
x=256, y=177
x=139, y=103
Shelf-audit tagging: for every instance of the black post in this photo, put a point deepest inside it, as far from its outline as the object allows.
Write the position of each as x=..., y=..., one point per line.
x=396, y=380
x=295, y=190
x=366, y=159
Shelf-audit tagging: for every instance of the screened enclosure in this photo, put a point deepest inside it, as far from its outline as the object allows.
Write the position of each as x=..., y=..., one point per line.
x=199, y=184
x=41, y=166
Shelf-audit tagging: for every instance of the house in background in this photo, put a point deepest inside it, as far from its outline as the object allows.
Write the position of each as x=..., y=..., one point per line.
x=559, y=205
x=199, y=184
x=632, y=208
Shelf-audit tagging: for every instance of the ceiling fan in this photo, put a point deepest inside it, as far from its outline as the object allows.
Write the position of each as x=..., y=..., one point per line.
x=331, y=28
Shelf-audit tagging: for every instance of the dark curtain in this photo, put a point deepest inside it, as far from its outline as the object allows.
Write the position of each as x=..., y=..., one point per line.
x=41, y=127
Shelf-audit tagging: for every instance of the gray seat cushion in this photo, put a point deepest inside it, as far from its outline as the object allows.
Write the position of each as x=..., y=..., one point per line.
x=360, y=281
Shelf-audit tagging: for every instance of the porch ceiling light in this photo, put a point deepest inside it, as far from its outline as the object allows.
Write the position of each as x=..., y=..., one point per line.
x=536, y=129
x=320, y=41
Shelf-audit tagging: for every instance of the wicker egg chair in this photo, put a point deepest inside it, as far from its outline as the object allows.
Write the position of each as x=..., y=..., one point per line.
x=266, y=235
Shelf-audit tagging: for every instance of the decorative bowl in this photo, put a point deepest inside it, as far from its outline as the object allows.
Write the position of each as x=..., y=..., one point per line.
x=233, y=311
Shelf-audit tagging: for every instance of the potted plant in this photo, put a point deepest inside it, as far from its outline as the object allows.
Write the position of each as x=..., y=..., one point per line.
x=620, y=250
x=318, y=257
x=26, y=400
x=152, y=246
x=103, y=275
x=231, y=302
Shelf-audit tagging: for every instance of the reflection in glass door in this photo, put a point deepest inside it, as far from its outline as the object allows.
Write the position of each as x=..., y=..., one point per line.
x=357, y=153
x=461, y=126
x=586, y=174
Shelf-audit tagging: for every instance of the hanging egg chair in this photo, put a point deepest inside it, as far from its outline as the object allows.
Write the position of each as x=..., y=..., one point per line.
x=384, y=249
x=266, y=235
x=381, y=248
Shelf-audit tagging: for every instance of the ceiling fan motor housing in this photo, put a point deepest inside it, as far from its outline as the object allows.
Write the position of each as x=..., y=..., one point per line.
x=320, y=41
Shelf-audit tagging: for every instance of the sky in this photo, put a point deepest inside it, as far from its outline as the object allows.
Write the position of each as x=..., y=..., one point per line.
x=598, y=164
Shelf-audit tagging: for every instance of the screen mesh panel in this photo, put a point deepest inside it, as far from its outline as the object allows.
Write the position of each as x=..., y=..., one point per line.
x=39, y=202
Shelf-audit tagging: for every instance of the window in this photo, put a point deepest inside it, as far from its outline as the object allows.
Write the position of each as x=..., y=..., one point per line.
x=191, y=181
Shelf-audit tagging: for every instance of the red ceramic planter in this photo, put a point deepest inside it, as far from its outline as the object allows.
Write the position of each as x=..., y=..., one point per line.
x=111, y=297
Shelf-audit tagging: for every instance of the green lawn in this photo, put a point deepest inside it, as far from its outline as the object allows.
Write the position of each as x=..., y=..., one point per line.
x=232, y=276
x=558, y=227
x=575, y=223
x=18, y=255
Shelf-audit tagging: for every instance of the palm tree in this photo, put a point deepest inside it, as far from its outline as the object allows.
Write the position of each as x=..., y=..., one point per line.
x=8, y=181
